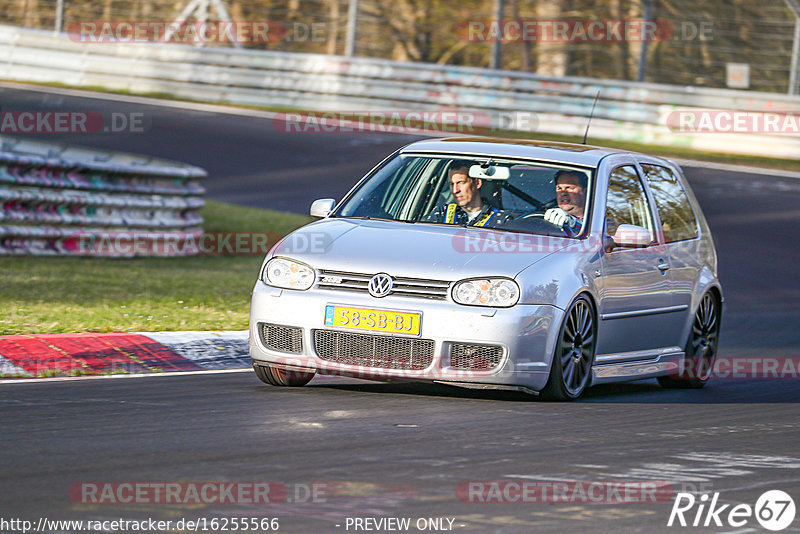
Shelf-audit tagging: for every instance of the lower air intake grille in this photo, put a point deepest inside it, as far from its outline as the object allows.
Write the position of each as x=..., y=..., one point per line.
x=385, y=352
x=281, y=338
x=478, y=357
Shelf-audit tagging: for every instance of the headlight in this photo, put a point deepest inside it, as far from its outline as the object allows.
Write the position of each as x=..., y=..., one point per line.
x=283, y=272
x=494, y=292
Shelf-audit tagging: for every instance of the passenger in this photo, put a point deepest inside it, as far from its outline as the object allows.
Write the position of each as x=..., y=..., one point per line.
x=571, y=198
x=469, y=208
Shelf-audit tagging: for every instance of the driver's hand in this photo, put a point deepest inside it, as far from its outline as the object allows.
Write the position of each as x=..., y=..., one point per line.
x=560, y=217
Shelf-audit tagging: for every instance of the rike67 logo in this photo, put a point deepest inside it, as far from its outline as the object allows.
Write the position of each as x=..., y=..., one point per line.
x=774, y=510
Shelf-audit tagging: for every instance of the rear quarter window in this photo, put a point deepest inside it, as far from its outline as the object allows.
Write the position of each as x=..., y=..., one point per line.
x=678, y=221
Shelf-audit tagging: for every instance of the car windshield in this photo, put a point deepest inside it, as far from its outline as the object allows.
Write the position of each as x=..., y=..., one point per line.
x=474, y=191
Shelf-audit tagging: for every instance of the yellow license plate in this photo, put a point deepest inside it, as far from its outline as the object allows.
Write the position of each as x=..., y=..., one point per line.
x=373, y=320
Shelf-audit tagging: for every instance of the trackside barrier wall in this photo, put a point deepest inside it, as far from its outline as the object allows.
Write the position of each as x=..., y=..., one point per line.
x=60, y=200
x=626, y=111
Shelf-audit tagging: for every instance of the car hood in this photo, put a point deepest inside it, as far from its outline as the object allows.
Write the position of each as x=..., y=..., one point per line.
x=416, y=250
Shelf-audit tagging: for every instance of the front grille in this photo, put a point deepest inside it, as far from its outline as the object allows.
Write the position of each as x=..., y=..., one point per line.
x=475, y=357
x=406, y=287
x=281, y=338
x=384, y=352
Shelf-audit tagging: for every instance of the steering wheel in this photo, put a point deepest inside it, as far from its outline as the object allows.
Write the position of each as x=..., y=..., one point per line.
x=531, y=214
x=535, y=222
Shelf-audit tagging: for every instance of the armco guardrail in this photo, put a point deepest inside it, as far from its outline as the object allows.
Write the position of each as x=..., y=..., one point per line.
x=70, y=201
x=625, y=110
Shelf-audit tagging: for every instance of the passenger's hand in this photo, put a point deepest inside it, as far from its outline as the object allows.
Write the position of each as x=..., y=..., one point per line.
x=560, y=217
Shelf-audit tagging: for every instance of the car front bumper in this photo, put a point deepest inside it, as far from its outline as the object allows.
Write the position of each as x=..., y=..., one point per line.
x=526, y=335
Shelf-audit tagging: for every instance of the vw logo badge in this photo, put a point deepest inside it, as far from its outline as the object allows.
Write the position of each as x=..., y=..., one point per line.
x=380, y=285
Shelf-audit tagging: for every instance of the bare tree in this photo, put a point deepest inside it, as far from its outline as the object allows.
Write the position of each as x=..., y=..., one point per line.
x=525, y=45
x=30, y=13
x=334, y=20
x=551, y=56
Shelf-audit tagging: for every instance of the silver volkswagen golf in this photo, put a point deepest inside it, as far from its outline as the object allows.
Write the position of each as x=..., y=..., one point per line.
x=489, y=263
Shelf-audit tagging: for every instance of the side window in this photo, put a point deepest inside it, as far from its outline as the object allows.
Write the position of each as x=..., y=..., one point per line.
x=626, y=202
x=677, y=218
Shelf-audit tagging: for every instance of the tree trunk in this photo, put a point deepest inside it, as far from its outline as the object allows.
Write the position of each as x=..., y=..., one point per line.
x=30, y=14
x=623, y=55
x=107, y=10
x=551, y=56
x=525, y=46
x=334, y=17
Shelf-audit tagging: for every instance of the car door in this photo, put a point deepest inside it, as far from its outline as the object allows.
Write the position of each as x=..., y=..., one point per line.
x=635, y=294
x=679, y=231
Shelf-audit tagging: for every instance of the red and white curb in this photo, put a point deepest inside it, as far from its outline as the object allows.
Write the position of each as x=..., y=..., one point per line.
x=87, y=354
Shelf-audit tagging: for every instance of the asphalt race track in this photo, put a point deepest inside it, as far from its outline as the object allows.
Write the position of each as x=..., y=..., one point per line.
x=397, y=450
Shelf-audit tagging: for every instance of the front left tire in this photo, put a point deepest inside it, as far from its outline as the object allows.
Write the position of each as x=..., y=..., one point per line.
x=276, y=376
x=571, y=368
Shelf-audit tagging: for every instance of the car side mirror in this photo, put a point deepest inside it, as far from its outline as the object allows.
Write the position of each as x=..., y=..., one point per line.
x=632, y=236
x=321, y=207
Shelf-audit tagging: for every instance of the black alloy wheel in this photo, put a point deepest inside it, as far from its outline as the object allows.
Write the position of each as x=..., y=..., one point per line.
x=701, y=347
x=571, y=369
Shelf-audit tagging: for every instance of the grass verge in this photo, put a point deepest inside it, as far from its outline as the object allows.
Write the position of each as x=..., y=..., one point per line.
x=41, y=295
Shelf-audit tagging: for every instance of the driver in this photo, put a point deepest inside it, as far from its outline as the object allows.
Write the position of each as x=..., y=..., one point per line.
x=469, y=208
x=571, y=198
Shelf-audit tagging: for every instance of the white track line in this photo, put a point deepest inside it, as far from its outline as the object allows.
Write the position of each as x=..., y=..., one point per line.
x=9, y=381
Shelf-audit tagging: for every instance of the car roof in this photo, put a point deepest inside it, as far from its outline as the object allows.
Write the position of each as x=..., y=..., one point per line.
x=585, y=155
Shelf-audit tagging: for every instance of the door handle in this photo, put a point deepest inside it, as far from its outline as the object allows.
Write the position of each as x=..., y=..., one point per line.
x=663, y=266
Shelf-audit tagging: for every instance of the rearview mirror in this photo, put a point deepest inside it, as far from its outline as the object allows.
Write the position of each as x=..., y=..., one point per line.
x=322, y=207
x=632, y=236
x=489, y=173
